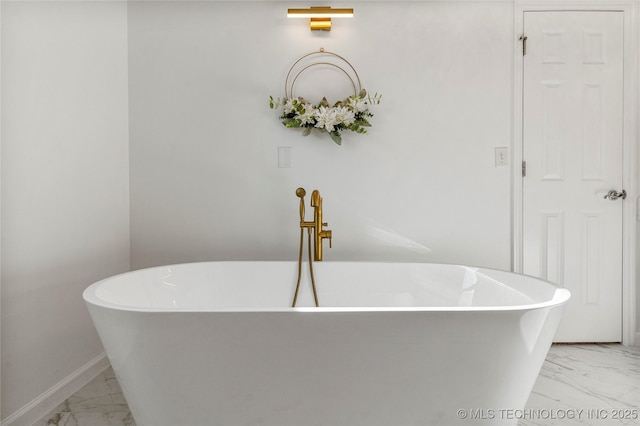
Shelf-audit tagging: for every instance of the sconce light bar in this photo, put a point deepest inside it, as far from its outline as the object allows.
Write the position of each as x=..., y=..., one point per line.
x=320, y=12
x=320, y=16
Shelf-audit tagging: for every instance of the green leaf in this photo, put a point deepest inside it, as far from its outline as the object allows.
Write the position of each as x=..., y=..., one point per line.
x=335, y=136
x=291, y=123
x=306, y=131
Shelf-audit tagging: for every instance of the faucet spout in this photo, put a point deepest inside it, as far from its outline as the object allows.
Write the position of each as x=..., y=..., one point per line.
x=316, y=200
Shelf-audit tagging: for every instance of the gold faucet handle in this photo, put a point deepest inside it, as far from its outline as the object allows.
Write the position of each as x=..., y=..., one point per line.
x=329, y=235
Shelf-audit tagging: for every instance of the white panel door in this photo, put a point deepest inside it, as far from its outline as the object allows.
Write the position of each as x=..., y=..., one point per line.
x=572, y=146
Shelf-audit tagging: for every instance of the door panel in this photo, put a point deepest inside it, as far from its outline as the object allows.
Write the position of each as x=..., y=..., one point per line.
x=572, y=145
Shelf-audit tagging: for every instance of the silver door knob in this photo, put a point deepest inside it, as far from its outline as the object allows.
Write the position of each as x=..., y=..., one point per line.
x=614, y=195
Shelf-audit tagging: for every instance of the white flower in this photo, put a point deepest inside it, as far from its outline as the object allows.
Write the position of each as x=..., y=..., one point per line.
x=309, y=115
x=326, y=117
x=288, y=106
x=344, y=115
x=358, y=104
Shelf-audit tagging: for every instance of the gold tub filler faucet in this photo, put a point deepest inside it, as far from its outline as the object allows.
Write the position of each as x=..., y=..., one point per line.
x=316, y=228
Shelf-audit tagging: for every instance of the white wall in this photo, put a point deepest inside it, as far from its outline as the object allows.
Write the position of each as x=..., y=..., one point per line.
x=638, y=183
x=65, y=200
x=421, y=186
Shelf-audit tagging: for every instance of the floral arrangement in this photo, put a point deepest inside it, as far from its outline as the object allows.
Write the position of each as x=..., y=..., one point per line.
x=349, y=114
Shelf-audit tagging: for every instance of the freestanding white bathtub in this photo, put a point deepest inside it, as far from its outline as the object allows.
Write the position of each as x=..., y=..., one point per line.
x=216, y=343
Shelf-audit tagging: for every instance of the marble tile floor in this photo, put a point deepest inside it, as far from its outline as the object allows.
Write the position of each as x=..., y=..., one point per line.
x=597, y=385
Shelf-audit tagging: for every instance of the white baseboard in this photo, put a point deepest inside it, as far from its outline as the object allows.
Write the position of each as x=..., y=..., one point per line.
x=47, y=401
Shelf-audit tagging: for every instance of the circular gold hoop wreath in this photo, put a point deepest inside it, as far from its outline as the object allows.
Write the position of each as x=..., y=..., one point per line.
x=288, y=87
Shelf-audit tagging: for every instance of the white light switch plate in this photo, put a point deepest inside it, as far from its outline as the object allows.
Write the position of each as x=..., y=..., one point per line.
x=284, y=157
x=502, y=156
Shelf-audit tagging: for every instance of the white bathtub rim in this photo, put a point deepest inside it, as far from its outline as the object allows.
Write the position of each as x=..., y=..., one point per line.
x=560, y=297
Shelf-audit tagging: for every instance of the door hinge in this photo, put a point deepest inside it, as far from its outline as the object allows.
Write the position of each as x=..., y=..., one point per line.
x=524, y=168
x=524, y=44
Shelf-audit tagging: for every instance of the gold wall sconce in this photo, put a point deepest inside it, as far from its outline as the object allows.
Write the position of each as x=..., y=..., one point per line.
x=320, y=16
